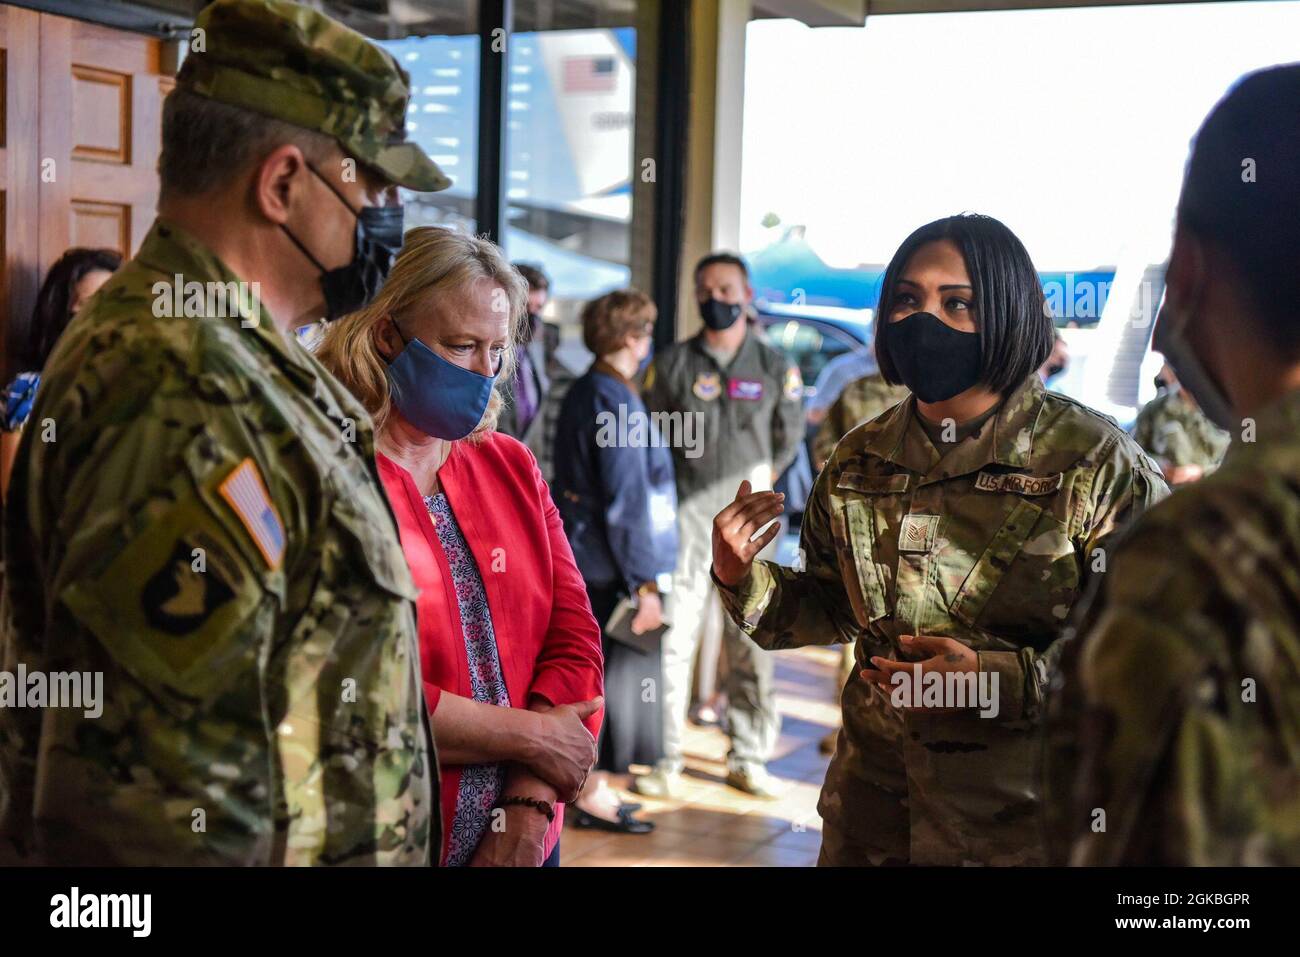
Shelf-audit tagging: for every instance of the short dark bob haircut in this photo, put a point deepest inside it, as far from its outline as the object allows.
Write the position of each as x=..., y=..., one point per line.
x=53, y=309
x=1016, y=332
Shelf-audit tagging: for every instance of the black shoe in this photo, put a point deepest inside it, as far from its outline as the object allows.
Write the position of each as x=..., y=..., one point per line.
x=626, y=823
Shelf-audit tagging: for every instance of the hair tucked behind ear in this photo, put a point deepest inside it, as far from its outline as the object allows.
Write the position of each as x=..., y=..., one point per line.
x=432, y=259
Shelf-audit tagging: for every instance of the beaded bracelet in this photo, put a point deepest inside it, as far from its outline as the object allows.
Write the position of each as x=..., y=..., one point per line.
x=541, y=807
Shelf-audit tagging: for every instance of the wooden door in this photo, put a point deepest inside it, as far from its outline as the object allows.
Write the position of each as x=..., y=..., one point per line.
x=19, y=168
x=83, y=106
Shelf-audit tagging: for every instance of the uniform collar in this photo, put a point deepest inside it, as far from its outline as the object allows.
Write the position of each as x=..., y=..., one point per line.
x=1279, y=421
x=172, y=251
x=746, y=344
x=1005, y=439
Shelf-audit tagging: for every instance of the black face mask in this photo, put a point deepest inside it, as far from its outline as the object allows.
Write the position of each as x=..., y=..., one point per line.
x=933, y=359
x=719, y=315
x=378, y=238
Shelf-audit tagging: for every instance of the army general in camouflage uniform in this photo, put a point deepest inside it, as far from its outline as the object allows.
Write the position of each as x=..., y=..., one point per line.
x=196, y=513
x=955, y=531
x=1174, y=726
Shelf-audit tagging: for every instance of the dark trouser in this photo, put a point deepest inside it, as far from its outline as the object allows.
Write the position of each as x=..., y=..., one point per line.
x=554, y=859
x=632, y=732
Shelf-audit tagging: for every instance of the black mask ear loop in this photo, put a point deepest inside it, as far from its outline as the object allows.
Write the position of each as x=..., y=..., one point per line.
x=330, y=186
x=303, y=249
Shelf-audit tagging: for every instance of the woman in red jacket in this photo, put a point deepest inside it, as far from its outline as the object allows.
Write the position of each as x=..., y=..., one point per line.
x=509, y=650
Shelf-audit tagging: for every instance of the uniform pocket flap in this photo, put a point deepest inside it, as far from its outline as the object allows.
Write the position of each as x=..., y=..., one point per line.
x=378, y=551
x=868, y=600
x=987, y=573
x=874, y=484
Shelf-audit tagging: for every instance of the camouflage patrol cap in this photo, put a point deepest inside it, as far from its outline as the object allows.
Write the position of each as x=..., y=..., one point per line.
x=292, y=63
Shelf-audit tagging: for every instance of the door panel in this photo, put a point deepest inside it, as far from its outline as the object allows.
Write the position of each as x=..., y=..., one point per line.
x=107, y=225
x=80, y=116
x=19, y=168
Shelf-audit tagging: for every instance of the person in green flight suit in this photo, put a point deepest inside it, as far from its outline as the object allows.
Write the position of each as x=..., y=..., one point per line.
x=741, y=401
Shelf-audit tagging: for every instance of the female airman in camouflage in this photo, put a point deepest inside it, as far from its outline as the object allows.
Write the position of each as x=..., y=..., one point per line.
x=948, y=538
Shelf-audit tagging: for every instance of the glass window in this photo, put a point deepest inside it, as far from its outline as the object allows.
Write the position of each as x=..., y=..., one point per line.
x=570, y=94
x=438, y=45
x=1069, y=125
x=809, y=344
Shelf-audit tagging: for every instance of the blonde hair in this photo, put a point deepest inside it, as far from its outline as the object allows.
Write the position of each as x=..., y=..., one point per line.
x=609, y=320
x=432, y=259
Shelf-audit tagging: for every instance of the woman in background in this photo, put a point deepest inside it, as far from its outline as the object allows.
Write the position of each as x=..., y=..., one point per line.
x=72, y=280
x=614, y=487
x=509, y=651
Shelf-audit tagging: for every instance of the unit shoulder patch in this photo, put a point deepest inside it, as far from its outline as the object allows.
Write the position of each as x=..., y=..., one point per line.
x=793, y=384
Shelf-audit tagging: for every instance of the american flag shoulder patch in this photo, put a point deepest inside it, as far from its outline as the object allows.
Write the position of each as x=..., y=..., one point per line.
x=245, y=492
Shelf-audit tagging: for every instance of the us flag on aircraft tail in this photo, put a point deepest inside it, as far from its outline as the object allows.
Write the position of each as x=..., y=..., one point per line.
x=589, y=74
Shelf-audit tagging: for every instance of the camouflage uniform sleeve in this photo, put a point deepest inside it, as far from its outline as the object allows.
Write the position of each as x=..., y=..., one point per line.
x=1125, y=483
x=781, y=607
x=1142, y=763
x=162, y=545
x=830, y=432
x=1143, y=432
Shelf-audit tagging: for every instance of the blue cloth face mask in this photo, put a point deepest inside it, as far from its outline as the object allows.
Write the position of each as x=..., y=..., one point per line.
x=436, y=396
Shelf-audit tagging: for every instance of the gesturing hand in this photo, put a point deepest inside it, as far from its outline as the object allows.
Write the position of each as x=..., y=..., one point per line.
x=735, y=525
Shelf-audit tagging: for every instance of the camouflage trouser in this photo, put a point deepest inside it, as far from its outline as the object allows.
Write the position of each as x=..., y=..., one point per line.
x=693, y=608
x=928, y=788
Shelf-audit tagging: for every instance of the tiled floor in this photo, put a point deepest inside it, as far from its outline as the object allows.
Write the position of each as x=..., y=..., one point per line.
x=715, y=825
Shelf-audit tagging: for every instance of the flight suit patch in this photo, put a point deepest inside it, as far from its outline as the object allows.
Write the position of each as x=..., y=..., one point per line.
x=1020, y=484
x=708, y=386
x=793, y=384
x=748, y=390
x=917, y=533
